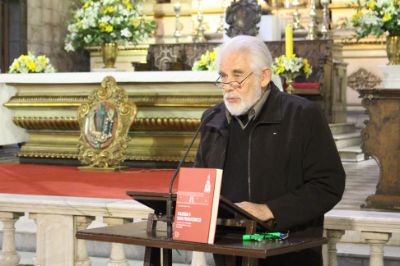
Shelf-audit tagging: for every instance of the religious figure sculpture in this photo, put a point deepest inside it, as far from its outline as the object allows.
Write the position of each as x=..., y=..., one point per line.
x=243, y=17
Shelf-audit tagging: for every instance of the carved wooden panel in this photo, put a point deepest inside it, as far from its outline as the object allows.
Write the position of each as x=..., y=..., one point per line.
x=363, y=79
x=381, y=140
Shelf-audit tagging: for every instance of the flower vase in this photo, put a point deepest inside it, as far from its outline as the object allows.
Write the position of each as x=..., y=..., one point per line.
x=393, y=49
x=109, y=52
x=289, y=79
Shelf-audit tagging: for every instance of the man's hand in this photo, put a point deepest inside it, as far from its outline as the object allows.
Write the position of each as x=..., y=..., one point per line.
x=260, y=211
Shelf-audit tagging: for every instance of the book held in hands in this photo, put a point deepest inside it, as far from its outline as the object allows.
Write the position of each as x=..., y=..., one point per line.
x=197, y=204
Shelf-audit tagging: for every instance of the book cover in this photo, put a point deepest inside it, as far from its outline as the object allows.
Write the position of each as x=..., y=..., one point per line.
x=197, y=204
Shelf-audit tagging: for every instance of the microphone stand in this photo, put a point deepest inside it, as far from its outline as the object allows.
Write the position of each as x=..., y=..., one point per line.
x=171, y=183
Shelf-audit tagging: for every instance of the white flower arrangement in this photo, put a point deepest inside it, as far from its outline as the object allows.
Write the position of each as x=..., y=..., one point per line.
x=105, y=21
x=284, y=65
x=206, y=61
x=376, y=17
x=31, y=64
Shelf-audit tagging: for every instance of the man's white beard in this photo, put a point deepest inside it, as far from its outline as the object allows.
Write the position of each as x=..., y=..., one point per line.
x=245, y=103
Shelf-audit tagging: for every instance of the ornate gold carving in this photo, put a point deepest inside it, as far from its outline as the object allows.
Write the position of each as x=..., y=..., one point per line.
x=151, y=101
x=363, y=79
x=166, y=124
x=71, y=123
x=56, y=123
x=349, y=39
x=42, y=101
x=52, y=155
x=56, y=155
x=177, y=101
x=159, y=158
x=104, y=122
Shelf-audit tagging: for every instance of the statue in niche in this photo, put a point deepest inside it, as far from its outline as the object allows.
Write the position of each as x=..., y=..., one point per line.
x=243, y=17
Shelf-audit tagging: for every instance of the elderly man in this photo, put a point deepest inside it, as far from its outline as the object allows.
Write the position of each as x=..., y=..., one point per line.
x=278, y=155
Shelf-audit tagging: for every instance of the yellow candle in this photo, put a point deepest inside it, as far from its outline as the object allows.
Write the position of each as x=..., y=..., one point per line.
x=289, y=40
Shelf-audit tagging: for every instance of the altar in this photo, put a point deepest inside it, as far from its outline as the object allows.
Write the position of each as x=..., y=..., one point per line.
x=170, y=104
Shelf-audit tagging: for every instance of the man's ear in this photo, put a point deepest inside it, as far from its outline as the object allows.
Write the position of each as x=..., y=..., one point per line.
x=266, y=77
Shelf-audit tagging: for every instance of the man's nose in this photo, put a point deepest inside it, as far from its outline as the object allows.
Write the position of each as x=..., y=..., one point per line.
x=227, y=87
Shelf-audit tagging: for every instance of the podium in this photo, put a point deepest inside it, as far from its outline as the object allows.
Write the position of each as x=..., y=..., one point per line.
x=152, y=234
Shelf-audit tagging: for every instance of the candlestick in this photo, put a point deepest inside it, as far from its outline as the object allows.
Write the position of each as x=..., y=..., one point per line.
x=177, y=9
x=325, y=19
x=289, y=40
x=312, y=26
x=222, y=17
x=296, y=16
x=199, y=35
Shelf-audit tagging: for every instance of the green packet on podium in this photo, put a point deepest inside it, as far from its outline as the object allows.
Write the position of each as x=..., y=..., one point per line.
x=267, y=235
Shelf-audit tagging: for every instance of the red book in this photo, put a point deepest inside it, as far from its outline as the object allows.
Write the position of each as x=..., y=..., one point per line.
x=197, y=204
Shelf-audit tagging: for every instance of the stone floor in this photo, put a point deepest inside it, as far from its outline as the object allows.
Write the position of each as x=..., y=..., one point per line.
x=361, y=181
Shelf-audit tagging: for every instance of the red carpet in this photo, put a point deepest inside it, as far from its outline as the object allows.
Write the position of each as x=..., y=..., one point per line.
x=70, y=181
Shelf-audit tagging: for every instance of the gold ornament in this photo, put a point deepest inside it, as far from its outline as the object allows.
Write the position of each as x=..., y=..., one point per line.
x=104, y=123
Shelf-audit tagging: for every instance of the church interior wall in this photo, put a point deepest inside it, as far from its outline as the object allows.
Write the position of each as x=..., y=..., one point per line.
x=47, y=27
x=47, y=24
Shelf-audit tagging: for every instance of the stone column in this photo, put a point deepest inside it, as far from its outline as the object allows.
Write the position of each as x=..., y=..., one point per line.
x=376, y=243
x=117, y=256
x=333, y=238
x=81, y=254
x=54, y=239
x=198, y=258
x=9, y=255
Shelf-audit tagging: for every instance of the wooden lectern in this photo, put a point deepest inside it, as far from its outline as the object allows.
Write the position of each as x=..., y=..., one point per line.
x=232, y=223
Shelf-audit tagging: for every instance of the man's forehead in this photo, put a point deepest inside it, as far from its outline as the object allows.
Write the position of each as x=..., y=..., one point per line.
x=234, y=64
x=237, y=70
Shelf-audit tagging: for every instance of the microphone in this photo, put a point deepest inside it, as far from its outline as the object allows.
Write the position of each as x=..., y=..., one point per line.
x=169, y=199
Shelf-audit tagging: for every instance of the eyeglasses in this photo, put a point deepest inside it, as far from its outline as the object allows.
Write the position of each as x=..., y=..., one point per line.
x=234, y=84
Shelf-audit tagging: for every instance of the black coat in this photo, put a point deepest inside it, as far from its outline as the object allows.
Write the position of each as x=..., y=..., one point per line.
x=294, y=166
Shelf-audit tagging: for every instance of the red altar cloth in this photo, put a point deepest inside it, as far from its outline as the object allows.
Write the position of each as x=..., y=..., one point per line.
x=307, y=85
x=70, y=181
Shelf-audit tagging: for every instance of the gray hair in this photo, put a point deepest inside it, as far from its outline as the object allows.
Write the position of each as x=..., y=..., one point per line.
x=257, y=49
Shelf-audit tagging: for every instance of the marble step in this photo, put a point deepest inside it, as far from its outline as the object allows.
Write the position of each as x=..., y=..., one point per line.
x=342, y=128
x=347, y=139
x=352, y=154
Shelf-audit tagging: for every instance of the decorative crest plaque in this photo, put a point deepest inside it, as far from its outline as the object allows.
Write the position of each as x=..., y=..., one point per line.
x=104, y=124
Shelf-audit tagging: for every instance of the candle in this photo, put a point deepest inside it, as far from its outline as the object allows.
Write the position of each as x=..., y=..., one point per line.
x=289, y=40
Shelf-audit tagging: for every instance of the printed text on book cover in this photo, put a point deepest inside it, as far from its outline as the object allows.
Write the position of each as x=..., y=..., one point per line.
x=197, y=204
